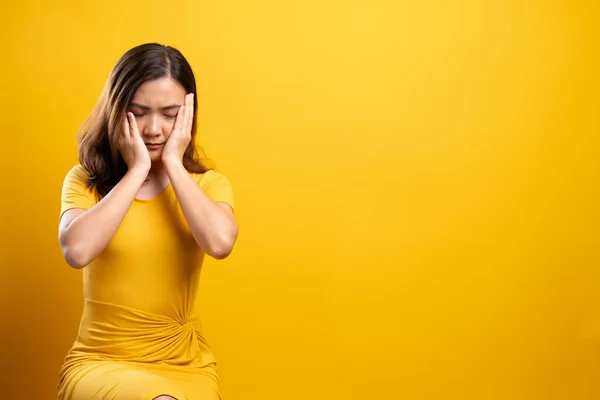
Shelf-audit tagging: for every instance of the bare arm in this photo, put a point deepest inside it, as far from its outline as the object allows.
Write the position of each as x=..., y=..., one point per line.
x=213, y=225
x=84, y=234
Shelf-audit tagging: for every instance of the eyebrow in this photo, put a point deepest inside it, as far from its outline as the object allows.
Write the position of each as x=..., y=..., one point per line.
x=143, y=107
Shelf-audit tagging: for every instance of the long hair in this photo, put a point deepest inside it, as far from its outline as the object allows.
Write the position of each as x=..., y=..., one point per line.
x=99, y=134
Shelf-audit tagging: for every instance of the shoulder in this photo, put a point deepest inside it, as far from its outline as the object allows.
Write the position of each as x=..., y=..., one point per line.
x=216, y=186
x=78, y=171
x=210, y=177
x=75, y=189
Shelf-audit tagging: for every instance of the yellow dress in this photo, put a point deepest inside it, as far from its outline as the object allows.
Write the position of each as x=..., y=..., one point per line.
x=139, y=335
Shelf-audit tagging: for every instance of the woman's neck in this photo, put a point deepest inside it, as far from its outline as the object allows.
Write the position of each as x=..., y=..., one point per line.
x=157, y=173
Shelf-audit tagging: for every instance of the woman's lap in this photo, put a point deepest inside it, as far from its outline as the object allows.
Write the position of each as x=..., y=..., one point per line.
x=105, y=380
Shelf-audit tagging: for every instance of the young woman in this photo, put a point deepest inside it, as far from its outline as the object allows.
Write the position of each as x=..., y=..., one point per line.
x=138, y=214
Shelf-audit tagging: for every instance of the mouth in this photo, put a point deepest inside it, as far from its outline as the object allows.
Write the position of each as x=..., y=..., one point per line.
x=153, y=145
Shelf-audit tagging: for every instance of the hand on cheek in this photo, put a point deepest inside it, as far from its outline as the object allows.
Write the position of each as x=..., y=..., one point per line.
x=182, y=132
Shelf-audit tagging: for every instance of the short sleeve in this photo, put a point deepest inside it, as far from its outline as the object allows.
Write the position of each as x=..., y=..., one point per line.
x=75, y=194
x=217, y=187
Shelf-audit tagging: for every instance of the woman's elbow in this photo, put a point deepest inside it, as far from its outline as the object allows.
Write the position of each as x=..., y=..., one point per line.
x=220, y=254
x=223, y=247
x=75, y=258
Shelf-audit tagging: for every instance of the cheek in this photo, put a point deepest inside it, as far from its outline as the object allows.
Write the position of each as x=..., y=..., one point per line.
x=140, y=123
x=168, y=126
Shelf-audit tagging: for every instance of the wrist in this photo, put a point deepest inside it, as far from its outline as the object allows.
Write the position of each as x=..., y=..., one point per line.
x=172, y=163
x=140, y=172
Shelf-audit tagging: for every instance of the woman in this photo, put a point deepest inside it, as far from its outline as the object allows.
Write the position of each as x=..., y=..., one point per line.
x=139, y=213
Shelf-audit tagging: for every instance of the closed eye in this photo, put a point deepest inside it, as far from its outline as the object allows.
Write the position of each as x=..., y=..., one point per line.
x=166, y=116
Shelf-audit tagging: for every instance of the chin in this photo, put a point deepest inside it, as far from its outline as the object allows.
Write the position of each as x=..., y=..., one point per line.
x=155, y=157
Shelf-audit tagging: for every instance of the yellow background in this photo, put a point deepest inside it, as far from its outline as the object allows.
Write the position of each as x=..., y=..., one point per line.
x=417, y=186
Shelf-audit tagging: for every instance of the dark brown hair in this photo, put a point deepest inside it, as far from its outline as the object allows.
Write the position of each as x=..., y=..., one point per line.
x=98, y=135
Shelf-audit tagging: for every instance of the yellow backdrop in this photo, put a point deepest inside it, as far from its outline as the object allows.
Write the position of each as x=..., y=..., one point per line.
x=417, y=186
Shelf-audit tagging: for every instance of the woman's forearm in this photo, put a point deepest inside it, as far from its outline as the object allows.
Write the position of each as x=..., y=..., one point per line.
x=213, y=228
x=86, y=237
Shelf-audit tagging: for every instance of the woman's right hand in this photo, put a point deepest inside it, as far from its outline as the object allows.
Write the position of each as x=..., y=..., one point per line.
x=132, y=146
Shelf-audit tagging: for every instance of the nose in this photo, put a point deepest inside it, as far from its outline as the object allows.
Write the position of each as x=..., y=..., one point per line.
x=151, y=128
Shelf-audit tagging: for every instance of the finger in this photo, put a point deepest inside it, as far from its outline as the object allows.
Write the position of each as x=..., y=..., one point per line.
x=186, y=114
x=191, y=115
x=179, y=120
x=133, y=125
x=126, y=132
x=189, y=110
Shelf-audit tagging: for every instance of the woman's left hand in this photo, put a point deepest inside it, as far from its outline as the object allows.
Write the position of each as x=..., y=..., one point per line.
x=181, y=135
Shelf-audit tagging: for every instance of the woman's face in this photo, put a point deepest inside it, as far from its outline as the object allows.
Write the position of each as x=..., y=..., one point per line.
x=155, y=105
